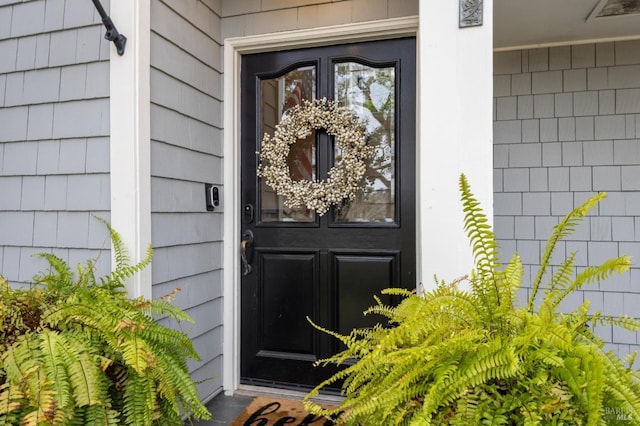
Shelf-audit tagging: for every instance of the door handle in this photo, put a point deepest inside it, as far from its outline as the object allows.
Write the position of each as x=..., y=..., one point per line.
x=246, y=243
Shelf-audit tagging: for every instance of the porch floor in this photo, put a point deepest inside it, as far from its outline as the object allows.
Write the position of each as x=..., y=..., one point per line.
x=224, y=409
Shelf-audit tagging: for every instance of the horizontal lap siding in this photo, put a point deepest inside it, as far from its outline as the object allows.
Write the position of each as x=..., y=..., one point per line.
x=566, y=126
x=186, y=153
x=54, y=135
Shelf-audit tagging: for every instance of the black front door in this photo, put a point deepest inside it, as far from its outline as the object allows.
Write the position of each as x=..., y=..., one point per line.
x=324, y=267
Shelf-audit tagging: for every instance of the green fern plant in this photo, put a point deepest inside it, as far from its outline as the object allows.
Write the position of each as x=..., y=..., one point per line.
x=473, y=357
x=78, y=351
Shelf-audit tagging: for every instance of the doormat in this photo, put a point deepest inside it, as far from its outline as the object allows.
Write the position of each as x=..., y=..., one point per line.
x=267, y=411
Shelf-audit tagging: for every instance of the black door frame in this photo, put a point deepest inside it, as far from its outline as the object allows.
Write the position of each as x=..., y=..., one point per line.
x=233, y=51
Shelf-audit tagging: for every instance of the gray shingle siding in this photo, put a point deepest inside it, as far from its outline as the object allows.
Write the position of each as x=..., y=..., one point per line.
x=54, y=150
x=54, y=142
x=186, y=153
x=567, y=125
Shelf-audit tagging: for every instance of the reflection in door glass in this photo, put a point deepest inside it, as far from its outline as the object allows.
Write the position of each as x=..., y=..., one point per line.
x=277, y=96
x=370, y=93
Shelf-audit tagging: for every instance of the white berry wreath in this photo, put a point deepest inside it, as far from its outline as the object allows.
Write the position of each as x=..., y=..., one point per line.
x=343, y=180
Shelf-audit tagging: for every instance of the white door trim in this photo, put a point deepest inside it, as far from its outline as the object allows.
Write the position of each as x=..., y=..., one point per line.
x=234, y=48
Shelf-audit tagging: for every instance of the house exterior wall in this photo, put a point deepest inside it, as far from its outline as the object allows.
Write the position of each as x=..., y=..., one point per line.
x=243, y=18
x=186, y=151
x=54, y=135
x=55, y=138
x=567, y=126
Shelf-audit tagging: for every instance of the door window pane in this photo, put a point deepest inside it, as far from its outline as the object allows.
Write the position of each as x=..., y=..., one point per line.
x=370, y=93
x=277, y=96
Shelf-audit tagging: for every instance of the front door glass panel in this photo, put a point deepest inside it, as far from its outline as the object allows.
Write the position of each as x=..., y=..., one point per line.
x=371, y=94
x=277, y=96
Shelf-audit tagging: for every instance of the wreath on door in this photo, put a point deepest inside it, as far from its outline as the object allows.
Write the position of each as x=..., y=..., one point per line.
x=344, y=179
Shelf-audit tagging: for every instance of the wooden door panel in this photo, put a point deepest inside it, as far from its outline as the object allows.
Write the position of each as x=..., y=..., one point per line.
x=287, y=277
x=357, y=278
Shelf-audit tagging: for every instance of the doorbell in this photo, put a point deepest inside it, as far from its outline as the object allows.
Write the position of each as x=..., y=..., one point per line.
x=212, y=196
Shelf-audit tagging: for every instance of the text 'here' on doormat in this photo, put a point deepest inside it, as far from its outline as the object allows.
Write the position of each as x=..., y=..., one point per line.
x=267, y=411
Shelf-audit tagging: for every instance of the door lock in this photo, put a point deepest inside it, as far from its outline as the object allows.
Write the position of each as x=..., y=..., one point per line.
x=248, y=211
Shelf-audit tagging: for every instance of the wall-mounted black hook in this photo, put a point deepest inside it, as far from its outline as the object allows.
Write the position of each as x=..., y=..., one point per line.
x=112, y=33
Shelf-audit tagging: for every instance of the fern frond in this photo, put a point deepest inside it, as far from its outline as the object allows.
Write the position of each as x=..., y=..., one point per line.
x=572, y=375
x=176, y=386
x=166, y=414
x=380, y=308
x=139, y=401
x=625, y=321
x=624, y=389
x=136, y=354
x=46, y=405
x=11, y=398
x=482, y=240
x=123, y=268
x=85, y=375
x=98, y=414
x=491, y=362
x=23, y=356
x=349, y=341
x=563, y=229
x=599, y=273
x=398, y=291
x=174, y=342
x=630, y=359
x=85, y=275
x=50, y=345
x=548, y=357
x=158, y=307
x=119, y=251
x=466, y=411
x=560, y=280
x=510, y=280
x=556, y=333
x=594, y=388
x=62, y=274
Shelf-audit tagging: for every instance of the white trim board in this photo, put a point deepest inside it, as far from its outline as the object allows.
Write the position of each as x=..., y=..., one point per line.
x=566, y=43
x=234, y=48
x=130, y=130
x=455, y=128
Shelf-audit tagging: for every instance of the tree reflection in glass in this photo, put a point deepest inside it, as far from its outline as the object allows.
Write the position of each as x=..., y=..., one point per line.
x=370, y=93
